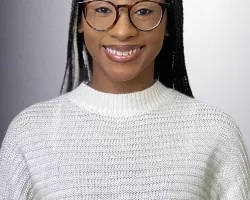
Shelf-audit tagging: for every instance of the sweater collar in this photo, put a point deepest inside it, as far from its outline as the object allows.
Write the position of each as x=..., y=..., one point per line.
x=128, y=104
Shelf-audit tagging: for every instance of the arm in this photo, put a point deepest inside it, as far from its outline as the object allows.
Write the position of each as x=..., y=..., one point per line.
x=15, y=182
x=234, y=177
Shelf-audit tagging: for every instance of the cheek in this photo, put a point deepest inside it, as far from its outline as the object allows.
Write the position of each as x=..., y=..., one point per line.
x=155, y=42
x=92, y=39
x=90, y=42
x=155, y=38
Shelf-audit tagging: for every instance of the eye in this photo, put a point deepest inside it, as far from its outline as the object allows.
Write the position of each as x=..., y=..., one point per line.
x=143, y=11
x=103, y=10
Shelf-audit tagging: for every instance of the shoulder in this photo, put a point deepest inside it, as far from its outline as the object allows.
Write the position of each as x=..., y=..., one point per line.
x=208, y=124
x=37, y=117
x=30, y=127
x=201, y=116
x=38, y=110
x=197, y=109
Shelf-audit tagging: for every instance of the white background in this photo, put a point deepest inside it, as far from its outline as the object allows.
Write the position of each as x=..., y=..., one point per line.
x=33, y=43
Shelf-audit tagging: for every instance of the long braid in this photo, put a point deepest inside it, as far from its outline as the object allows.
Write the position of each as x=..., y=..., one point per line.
x=67, y=84
x=170, y=67
x=180, y=80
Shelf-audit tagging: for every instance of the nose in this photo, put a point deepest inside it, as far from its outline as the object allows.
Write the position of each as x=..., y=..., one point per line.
x=123, y=28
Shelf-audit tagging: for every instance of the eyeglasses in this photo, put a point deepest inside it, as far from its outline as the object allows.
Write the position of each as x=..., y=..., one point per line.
x=102, y=15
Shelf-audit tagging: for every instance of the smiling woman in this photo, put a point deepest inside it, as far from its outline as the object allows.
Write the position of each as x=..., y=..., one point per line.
x=126, y=125
x=163, y=45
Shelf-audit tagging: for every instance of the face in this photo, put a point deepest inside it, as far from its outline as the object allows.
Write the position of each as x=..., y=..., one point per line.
x=106, y=47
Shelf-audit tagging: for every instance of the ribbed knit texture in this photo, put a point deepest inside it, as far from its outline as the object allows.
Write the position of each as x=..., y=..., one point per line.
x=152, y=144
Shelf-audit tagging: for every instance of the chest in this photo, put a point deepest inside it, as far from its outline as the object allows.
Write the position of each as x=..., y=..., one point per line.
x=109, y=162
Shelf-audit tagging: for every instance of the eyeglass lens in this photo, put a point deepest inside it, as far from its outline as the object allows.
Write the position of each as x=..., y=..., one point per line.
x=144, y=15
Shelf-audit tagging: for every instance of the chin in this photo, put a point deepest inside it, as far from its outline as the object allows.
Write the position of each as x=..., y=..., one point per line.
x=123, y=75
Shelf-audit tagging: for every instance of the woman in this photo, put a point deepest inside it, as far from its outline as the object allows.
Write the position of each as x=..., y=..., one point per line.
x=126, y=125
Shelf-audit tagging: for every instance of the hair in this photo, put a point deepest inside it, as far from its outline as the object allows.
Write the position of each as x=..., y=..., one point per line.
x=170, y=68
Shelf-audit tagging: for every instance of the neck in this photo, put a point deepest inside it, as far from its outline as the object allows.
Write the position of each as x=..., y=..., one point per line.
x=103, y=83
x=120, y=87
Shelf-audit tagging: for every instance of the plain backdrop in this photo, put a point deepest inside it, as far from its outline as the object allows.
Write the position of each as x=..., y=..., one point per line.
x=33, y=42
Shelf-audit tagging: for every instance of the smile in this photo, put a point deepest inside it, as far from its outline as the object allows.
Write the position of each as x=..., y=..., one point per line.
x=123, y=54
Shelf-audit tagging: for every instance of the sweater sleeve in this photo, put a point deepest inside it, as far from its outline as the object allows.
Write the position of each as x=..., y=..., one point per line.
x=234, y=179
x=15, y=183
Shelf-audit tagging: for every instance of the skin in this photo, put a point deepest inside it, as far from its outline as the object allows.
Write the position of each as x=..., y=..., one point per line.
x=118, y=78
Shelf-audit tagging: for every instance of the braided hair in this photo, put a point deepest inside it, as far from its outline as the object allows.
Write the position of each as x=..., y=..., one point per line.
x=170, y=67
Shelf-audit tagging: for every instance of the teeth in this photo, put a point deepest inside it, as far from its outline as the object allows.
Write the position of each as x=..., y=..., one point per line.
x=125, y=53
x=119, y=53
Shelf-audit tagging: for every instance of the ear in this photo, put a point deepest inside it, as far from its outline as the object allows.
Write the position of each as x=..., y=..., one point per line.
x=80, y=26
x=166, y=33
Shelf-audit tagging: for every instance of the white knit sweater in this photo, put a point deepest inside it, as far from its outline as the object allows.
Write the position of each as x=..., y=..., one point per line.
x=152, y=144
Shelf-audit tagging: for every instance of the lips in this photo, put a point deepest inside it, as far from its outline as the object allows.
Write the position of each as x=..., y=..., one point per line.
x=123, y=48
x=120, y=53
